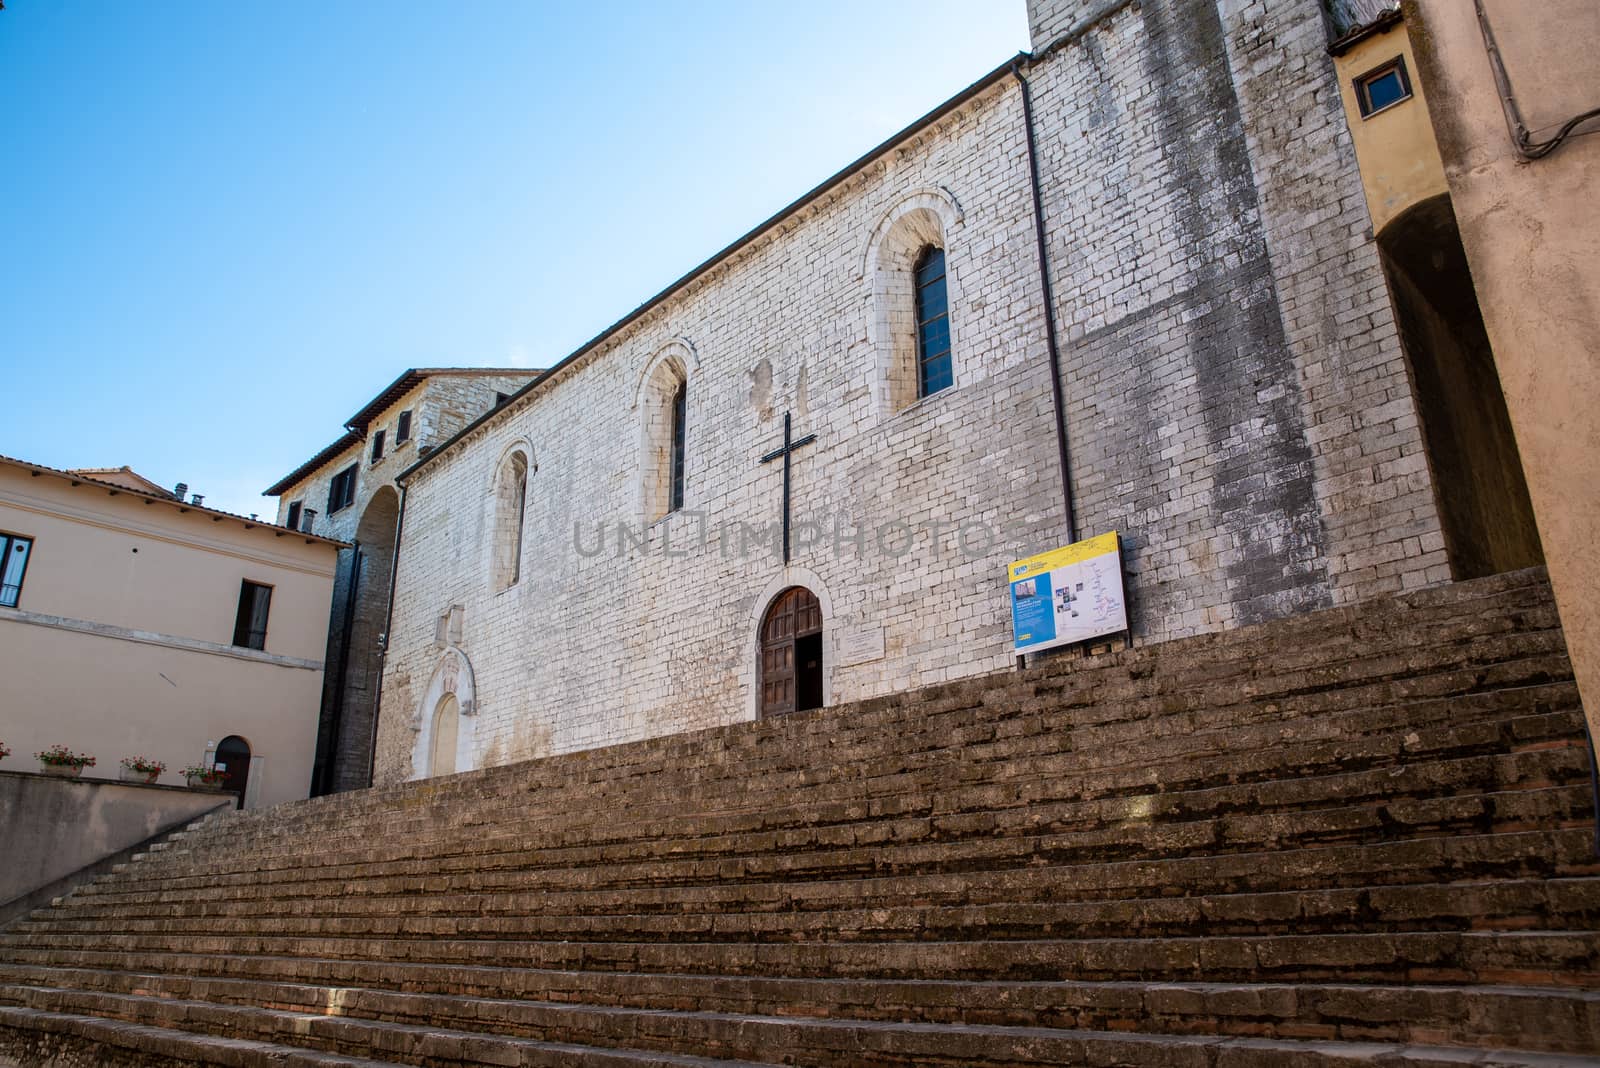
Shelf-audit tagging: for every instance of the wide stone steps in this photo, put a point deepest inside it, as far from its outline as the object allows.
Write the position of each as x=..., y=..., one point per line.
x=1358, y=837
x=1551, y=1020
x=1081, y=692
x=1098, y=771
x=1013, y=756
x=810, y=1040
x=1421, y=750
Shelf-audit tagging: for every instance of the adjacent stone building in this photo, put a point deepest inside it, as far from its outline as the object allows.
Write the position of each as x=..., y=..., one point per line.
x=347, y=491
x=602, y=558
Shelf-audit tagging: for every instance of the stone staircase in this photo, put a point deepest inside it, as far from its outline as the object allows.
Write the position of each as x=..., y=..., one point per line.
x=1358, y=837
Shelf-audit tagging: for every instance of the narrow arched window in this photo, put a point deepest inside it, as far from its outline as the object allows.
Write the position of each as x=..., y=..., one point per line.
x=680, y=412
x=933, y=323
x=511, y=499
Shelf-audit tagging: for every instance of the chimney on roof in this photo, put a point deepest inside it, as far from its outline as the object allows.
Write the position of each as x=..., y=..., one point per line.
x=307, y=517
x=181, y=490
x=197, y=500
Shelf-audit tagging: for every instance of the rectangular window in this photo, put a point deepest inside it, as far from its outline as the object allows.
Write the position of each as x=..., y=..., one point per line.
x=14, y=550
x=293, y=522
x=1383, y=87
x=377, y=446
x=250, y=625
x=933, y=324
x=342, y=491
x=402, y=429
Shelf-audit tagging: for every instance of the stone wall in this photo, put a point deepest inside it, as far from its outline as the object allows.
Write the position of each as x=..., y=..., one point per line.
x=1236, y=397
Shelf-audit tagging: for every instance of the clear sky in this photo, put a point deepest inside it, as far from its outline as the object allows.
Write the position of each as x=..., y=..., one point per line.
x=225, y=226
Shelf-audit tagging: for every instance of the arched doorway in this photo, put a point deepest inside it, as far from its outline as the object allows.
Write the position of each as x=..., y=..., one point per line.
x=1485, y=512
x=233, y=757
x=361, y=611
x=791, y=653
x=446, y=724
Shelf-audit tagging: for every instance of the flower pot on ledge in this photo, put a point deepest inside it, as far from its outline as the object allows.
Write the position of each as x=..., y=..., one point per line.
x=64, y=771
x=130, y=775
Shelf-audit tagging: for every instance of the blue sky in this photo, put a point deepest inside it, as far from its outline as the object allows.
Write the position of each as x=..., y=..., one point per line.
x=225, y=226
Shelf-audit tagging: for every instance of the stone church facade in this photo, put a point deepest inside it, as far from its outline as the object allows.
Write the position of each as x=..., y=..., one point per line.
x=1236, y=404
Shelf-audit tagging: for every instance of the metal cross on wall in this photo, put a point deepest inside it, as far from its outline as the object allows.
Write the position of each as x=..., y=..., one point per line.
x=785, y=451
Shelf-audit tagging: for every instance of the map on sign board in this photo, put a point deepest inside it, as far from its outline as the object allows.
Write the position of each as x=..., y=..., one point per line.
x=1067, y=595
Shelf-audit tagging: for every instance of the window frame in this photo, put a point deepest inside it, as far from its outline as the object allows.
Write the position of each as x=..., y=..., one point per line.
x=918, y=289
x=1362, y=84
x=244, y=616
x=402, y=428
x=378, y=437
x=292, y=520
x=678, y=444
x=8, y=543
x=342, y=488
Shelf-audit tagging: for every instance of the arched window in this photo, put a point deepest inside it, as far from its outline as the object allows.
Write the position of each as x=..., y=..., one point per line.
x=933, y=323
x=916, y=301
x=680, y=412
x=665, y=404
x=510, y=504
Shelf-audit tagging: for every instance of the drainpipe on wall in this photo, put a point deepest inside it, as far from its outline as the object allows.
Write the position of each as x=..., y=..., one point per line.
x=383, y=642
x=1057, y=397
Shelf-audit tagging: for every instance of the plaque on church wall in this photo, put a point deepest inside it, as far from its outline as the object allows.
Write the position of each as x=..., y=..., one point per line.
x=1071, y=594
x=861, y=646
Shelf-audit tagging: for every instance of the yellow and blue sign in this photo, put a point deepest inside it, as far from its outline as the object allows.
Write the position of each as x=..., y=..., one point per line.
x=1067, y=595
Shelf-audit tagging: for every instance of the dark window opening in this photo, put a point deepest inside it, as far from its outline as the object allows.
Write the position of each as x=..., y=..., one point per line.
x=933, y=324
x=500, y=398
x=342, y=491
x=402, y=429
x=377, y=446
x=1383, y=87
x=250, y=625
x=680, y=410
x=14, y=552
x=293, y=522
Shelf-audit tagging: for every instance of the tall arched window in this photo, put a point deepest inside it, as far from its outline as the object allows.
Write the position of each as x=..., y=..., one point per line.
x=510, y=504
x=680, y=414
x=915, y=301
x=664, y=401
x=933, y=323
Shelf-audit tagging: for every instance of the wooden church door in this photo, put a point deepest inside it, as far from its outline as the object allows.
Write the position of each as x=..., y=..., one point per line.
x=791, y=653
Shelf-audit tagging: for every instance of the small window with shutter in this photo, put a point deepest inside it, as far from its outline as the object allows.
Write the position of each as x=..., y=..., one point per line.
x=250, y=625
x=293, y=522
x=402, y=428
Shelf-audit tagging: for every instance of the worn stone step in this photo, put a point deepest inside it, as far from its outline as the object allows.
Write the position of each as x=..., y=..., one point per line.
x=1536, y=958
x=1527, y=855
x=303, y=1041
x=68, y=1038
x=1567, y=903
x=816, y=1040
x=1544, y=1019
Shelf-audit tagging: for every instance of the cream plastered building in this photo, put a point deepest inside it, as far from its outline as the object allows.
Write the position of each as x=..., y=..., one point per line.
x=347, y=491
x=1210, y=327
x=134, y=623
x=1522, y=162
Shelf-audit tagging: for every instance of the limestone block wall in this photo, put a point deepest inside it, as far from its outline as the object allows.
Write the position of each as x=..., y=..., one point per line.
x=440, y=406
x=1237, y=404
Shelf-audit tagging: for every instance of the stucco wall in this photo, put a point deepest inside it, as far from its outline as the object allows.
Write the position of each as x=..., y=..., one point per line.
x=50, y=828
x=1237, y=401
x=1400, y=164
x=1533, y=244
x=121, y=643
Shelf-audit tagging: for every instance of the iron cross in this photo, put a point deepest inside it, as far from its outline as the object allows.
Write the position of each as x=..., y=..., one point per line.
x=787, y=450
